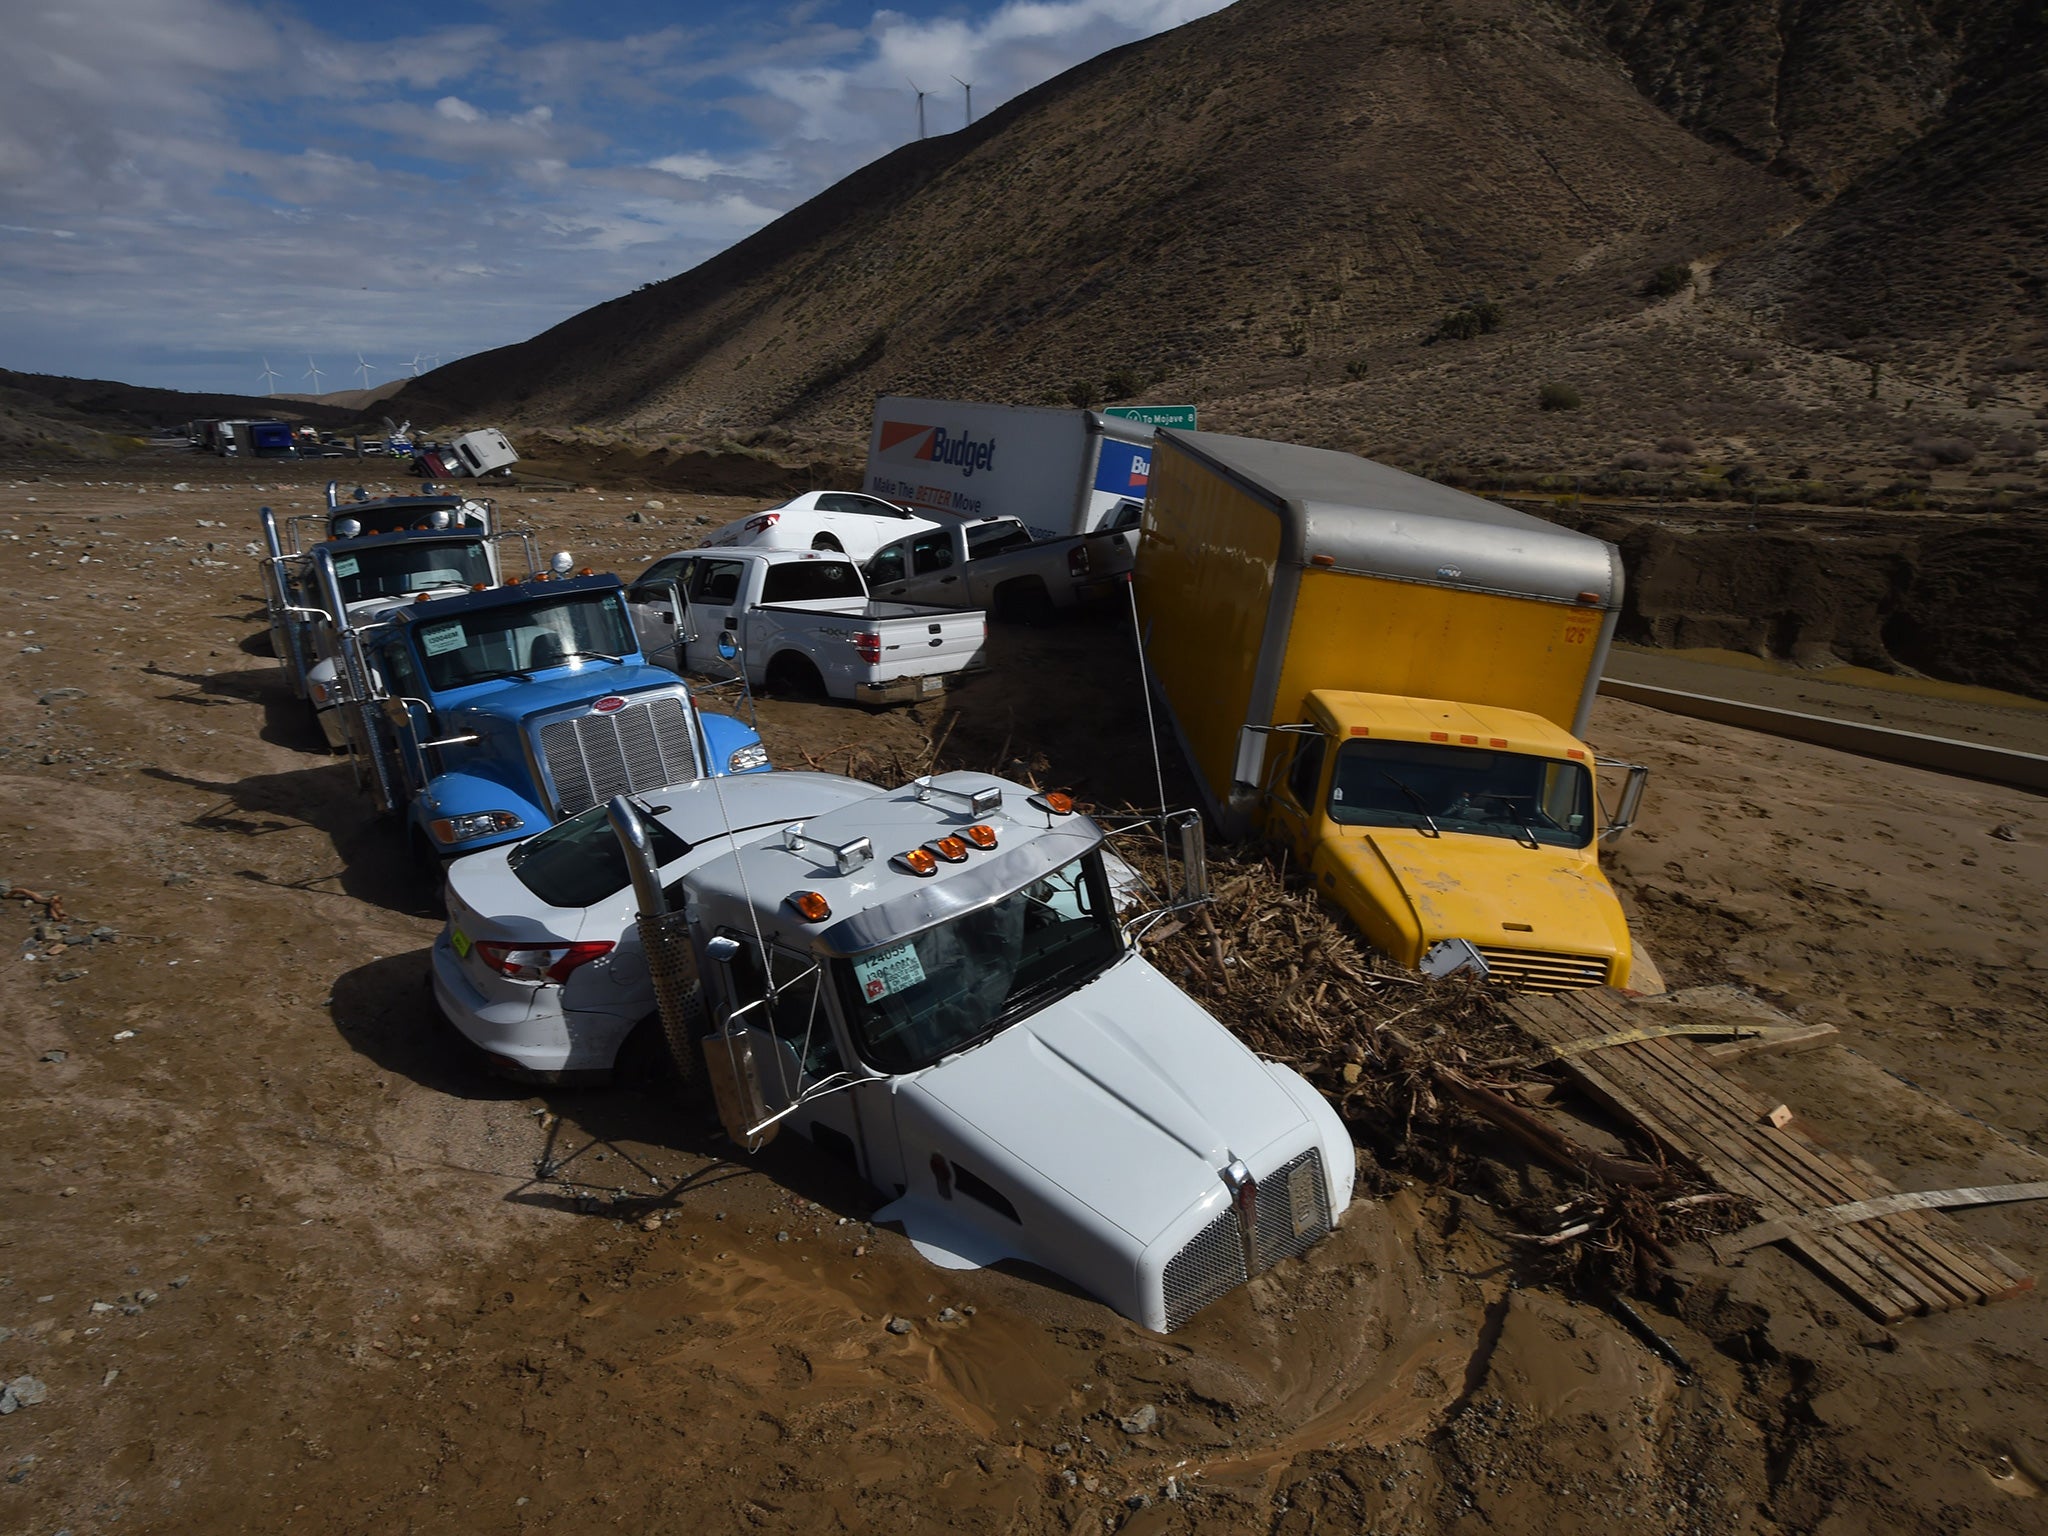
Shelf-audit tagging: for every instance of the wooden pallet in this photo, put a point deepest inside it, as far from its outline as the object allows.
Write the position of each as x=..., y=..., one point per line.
x=1894, y=1266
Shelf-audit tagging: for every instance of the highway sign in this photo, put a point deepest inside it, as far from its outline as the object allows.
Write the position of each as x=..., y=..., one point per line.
x=1181, y=416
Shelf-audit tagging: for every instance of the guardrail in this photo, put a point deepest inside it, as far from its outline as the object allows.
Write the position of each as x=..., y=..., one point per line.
x=1943, y=754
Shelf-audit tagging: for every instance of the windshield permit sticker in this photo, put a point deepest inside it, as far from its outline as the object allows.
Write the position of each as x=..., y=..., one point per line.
x=437, y=639
x=892, y=970
x=347, y=565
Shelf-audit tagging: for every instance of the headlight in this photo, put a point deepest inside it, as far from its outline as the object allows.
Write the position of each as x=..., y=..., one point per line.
x=466, y=829
x=323, y=693
x=747, y=759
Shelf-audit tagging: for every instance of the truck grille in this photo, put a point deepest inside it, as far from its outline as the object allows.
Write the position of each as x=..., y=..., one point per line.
x=1537, y=970
x=1293, y=1216
x=589, y=758
x=1207, y=1268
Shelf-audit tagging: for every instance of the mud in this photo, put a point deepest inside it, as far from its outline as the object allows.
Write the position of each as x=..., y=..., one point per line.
x=352, y=1283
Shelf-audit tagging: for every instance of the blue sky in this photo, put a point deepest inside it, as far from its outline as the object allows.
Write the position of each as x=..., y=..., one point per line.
x=188, y=187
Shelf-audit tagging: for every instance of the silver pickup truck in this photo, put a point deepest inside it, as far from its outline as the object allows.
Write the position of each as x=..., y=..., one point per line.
x=801, y=621
x=994, y=563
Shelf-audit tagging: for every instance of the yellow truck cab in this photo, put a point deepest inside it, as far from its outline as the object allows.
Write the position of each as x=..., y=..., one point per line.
x=1393, y=678
x=1426, y=819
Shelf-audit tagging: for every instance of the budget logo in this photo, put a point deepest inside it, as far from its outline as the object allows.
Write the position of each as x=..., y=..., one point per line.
x=935, y=445
x=1141, y=474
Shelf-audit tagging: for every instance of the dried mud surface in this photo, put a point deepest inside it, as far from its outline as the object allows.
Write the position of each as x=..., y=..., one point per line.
x=350, y=1283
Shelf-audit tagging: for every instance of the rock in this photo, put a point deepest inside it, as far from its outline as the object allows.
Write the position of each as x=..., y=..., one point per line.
x=58, y=695
x=124, y=1034
x=177, y=877
x=1140, y=1421
x=102, y=1306
x=899, y=1326
x=2006, y=832
x=636, y=517
x=181, y=486
x=104, y=933
x=950, y=1315
x=55, y=1055
x=1352, y=1072
x=655, y=506
x=22, y=1392
x=70, y=975
x=651, y=1222
x=782, y=1237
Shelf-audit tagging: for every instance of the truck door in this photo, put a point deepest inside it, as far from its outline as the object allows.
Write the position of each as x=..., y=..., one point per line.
x=1293, y=798
x=808, y=1054
x=716, y=586
x=659, y=621
x=408, y=716
x=919, y=569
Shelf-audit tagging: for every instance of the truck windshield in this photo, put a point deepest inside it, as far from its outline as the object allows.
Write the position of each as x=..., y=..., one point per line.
x=522, y=638
x=914, y=1002
x=1463, y=789
x=396, y=569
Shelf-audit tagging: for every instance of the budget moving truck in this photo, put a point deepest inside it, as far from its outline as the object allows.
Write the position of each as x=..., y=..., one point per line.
x=1392, y=679
x=1057, y=472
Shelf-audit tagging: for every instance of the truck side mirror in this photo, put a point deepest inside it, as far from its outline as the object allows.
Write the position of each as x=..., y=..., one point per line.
x=1631, y=799
x=396, y=715
x=1194, y=856
x=728, y=644
x=1250, y=770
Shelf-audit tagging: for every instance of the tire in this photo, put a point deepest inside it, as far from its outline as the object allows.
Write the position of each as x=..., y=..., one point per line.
x=1024, y=602
x=795, y=676
x=827, y=541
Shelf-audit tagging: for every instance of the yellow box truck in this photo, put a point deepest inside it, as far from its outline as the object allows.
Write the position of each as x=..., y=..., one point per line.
x=1392, y=678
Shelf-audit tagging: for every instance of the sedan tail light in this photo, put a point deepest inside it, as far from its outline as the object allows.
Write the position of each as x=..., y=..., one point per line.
x=868, y=645
x=539, y=962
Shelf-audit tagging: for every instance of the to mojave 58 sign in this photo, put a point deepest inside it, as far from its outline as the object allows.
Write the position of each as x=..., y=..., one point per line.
x=1181, y=416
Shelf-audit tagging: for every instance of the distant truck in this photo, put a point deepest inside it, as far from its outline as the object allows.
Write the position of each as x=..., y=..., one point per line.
x=484, y=717
x=1055, y=471
x=1392, y=679
x=800, y=621
x=935, y=987
x=994, y=563
x=265, y=440
x=478, y=453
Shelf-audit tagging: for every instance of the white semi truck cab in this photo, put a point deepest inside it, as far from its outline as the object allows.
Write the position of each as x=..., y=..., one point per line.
x=941, y=986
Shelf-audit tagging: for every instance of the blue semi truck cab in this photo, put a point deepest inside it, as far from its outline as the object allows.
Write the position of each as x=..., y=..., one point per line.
x=483, y=717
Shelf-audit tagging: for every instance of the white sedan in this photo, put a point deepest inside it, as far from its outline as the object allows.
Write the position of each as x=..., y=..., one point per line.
x=540, y=964
x=850, y=522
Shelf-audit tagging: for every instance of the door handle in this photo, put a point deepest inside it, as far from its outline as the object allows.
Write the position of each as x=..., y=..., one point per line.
x=947, y=581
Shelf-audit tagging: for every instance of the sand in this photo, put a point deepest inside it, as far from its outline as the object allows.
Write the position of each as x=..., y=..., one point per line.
x=387, y=1292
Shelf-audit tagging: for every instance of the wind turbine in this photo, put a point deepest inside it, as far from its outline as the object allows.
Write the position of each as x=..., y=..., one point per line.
x=920, y=105
x=415, y=365
x=313, y=372
x=364, y=369
x=968, y=87
x=270, y=377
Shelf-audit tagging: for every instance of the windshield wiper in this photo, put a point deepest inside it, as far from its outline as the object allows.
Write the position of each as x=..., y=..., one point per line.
x=1521, y=820
x=591, y=656
x=1421, y=805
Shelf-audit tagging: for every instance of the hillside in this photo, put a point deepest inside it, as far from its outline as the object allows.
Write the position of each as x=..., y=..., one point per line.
x=50, y=415
x=1269, y=211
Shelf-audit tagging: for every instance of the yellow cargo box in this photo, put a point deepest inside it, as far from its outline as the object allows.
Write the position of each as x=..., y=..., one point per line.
x=1269, y=570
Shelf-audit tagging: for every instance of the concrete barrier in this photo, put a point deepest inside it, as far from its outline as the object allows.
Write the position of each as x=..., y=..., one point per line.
x=1943, y=754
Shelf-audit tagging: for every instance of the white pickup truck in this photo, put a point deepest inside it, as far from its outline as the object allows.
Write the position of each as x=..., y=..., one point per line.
x=934, y=986
x=801, y=622
x=994, y=563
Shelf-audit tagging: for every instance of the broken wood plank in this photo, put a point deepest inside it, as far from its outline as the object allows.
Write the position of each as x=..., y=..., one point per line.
x=1737, y=1243
x=1797, y=1037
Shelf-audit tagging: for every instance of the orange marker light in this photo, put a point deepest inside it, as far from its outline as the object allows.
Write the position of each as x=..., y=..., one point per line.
x=1496, y=741
x=916, y=861
x=1361, y=730
x=810, y=906
x=423, y=597
x=1470, y=741
x=1052, y=800
x=1575, y=752
x=979, y=835
x=1439, y=736
x=952, y=849
x=1323, y=560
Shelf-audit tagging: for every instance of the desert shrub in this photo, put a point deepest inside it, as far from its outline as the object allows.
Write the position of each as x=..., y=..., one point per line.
x=1668, y=279
x=1945, y=450
x=1356, y=369
x=1558, y=397
x=1123, y=383
x=1082, y=394
x=1467, y=321
x=1679, y=445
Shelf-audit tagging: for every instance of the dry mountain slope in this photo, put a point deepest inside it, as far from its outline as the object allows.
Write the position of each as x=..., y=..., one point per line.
x=1272, y=183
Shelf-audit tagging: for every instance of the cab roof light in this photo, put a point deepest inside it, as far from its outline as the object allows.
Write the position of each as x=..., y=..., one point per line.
x=1361, y=730
x=980, y=834
x=952, y=849
x=916, y=861
x=810, y=906
x=1054, y=802
x=1323, y=560
x=980, y=802
x=1575, y=752
x=1497, y=741
x=1470, y=741
x=423, y=597
x=1590, y=599
x=1439, y=735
